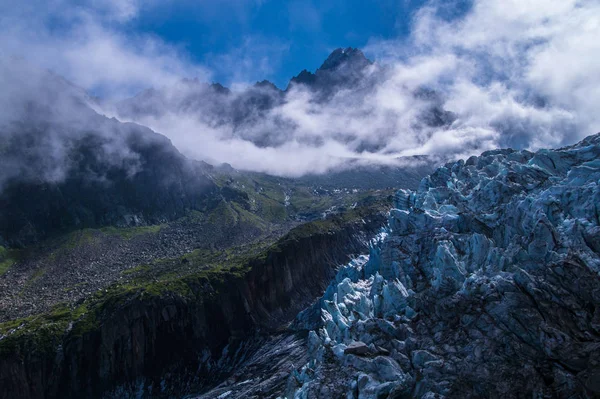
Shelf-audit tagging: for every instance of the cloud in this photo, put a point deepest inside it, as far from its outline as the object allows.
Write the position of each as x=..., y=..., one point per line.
x=503, y=73
x=119, y=10
x=47, y=130
x=89, y=46
x=527, y=70
x=522, y=75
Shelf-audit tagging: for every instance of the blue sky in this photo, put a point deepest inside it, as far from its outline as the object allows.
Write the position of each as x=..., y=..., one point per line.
x=118, y=47
x=294, y=35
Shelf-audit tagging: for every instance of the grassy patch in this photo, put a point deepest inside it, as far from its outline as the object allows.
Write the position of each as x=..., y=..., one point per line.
x=8, y=257
x=128, y=233
x=78, y=238
x=222, y=214
x=38, y=274
x=36, y=334
x=244, y=216
x=200, y=273
x=136, y=270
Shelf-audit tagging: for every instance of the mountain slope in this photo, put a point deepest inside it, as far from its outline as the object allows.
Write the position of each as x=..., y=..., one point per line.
x=63, y=166
x=85, y=199
x=154, y=184
x=485, y=283
x=171, y=327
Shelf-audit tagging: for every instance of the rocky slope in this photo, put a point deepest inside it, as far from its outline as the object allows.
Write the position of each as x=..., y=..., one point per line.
x=168, y=332
x=485, y=283
x=250, y=211
x=114, y=248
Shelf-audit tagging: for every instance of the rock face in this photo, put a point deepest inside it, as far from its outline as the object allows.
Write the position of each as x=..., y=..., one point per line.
x=484, y=284
x=186, y=336
x=343, y=69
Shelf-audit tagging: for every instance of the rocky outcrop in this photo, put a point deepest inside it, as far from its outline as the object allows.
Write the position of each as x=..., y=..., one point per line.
x=485, y=284
x=187, y=334
x=343, y=69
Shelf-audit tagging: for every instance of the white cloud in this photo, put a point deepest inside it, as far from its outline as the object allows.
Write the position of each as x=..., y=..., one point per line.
x=524, y=74
x=86, y=45
x=532, y=67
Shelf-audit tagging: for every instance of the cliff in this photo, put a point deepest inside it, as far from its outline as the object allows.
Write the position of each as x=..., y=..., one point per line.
x=168, y=337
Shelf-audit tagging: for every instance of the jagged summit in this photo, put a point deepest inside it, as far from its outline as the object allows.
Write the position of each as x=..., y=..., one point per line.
x=348, y=56
x=341, y=66
x=256, y=113
x=266, y=84
x=304, y=77
x=219, y=88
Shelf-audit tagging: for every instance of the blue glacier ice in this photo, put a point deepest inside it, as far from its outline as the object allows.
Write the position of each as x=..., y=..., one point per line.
x=484, y=283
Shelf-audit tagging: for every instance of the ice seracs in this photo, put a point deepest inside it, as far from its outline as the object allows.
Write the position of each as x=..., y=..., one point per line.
x=484, y=283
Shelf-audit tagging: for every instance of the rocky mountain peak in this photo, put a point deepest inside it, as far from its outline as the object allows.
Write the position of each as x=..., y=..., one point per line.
x=304, y=77
x=219, y=88
x=348, y=56
x=266, y=84
x=343, y=67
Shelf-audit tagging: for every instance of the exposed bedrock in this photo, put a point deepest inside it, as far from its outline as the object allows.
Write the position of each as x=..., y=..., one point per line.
x=181, y=338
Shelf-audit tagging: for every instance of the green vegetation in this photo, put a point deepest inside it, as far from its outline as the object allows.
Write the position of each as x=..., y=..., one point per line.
x=80, y=238
x=38, y=274
x=128, y=233
x=265, y=195
x=135, y=270
x=222, y=214
x=200, y=273
x=233, y=214
x=336, y=222
x=280, y=200
x=164, y=274
x=41, y=333
x=77, y=238
x=8, y=257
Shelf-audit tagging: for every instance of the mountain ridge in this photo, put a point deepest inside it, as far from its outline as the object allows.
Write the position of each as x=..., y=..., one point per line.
x=264, y=115
x=65, y=166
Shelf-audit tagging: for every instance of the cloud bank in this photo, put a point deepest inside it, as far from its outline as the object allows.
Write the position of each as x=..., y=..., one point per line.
x=511, y=73
x=88, y=43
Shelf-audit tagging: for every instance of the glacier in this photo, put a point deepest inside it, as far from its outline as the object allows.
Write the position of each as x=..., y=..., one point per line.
x=484, y=283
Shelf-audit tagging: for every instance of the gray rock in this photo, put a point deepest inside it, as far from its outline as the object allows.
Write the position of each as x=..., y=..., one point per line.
x=358, y=348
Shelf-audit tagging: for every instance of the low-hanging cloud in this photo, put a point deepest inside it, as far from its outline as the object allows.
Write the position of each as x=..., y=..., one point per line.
x=505, y=74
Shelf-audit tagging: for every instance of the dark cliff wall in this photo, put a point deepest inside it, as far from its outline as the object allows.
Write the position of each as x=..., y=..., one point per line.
x=163, y=337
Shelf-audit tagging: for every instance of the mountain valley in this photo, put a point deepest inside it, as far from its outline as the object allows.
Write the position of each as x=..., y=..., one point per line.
x=130, y=267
